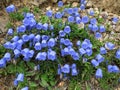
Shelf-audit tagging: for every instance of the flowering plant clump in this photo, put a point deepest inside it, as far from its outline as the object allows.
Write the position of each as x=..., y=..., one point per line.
x=60, y=42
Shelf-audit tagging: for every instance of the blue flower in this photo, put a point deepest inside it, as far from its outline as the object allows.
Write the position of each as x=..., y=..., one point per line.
x=102, y=28
x=37, y=46
x=67, y=42
x=65, y=51
x=91, y=12
x=110, y=68
x=21, y=29
x=45, y=37
x=62, y=40
x=25, y=52
x=117, y=55
x=37, y=38
x=95, y=28
x=20, y=77
x=74, y=72
x=39, y=26
x=71, y=19
x=73, y=66
x=90, y=26
x=82, y=51
x=100, y=58
x=75, y=56
x=2, y=63
x=51, y=42
x=29, y=15
x=75, y=10
x=51, y=55
x=103, y=50
x=10, y=9
x=31, y=36
x=82, y=7
x=94, y=62
x=78, y=20
x=115, y=69
x=15, y=82
x=67, y=29
x=25, y=38
x=65, y=68
x=109, y=45
x=70, y=10
x=84, y=45
x=25, y=88
x=31, y=53
x=41, y=56
x=10, y=31
x=7, y=56
x=76, y=14
x=44, y=43
x=17, y=53
x=98, y=73
x=7, y=45
x=62, y=33
x=51, y=27
x=13, y=45
x=58, y=15
x=98, y=35
x=115, y=20
x=78, y=43
x=89, y=52
x=85, y=19
x=15, y=38
x=82, y=1
x=49, y=13
x=71, y=51
x=93, y=21
x=60, y=4
x=45, y=27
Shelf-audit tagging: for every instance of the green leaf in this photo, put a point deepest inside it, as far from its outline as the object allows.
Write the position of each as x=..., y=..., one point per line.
x=44, y=83
x=31, y=73
x=33, y=84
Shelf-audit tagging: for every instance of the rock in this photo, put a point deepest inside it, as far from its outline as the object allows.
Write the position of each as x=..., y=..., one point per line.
x=89, y=4
x=75, y=4
x=81, y=25
x=117, y=29
x=48, y=8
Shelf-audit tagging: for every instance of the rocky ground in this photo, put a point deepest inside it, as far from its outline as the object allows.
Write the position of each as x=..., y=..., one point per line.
x=109, y=9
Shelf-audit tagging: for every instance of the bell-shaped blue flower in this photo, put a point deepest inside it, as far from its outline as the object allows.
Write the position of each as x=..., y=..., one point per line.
x=109, y=45
x=100, y=58
x=78, y=43
x=20, y=77
x=37, y=46
x=10, y=31
x=65, y=68
x=115, y=20
x=31, y=36
x=82, y=51
x=25, y=88
x=15, y=38
x=49, y=13
x=58, y=15
x=45, y=27
x=70, y=10
x=75, y=56
x=7, y=45
x=67, y=42
x=89, y=51
x=95, y=28
x=51, y=42
x=45, y=37
x=85, y=19
x=110, y=68
x=44, y=43
x=60, y=4
x=82, y=7
x=51, y=55
x=37, y=38
x=21, y=29
x=39, y=26
x=103, y=50
x=98, y=73
x=62, y=33
x=10, y=9
x=94, y=62
x=117, y=54
x=78, y=20
x=17, y=53
x=67, y=29
x=59, y=70
x=31, y=53
x=41, y=56
x=102, y=28
x=91, y=13
x=98, y=35
x=2, y=63
x=71, y=19
x=93, y=21
x=74, y=72
x=15, y=82
x=25, y=38
x=7, y=56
